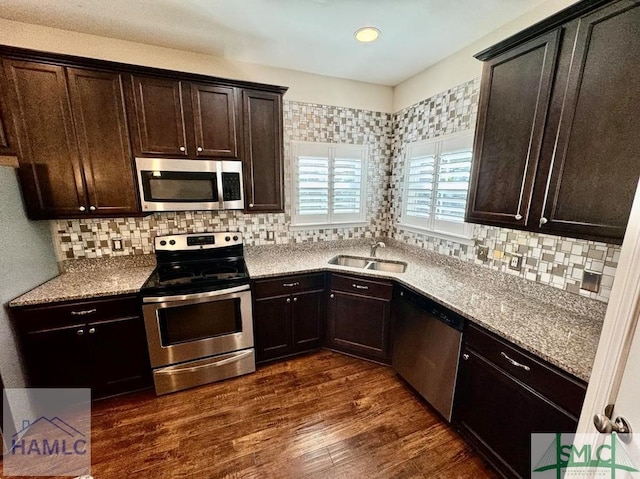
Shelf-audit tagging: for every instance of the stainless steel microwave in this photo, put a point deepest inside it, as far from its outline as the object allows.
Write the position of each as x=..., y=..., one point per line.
x=178, y=185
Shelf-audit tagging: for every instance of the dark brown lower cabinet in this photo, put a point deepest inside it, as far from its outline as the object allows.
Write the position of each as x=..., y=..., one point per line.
x=288, y=315
x=99, y=344
x=499, y=405
x=359, y=317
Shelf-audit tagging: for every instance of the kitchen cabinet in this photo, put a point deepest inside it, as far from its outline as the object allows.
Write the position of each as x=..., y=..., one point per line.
x=263, y=151
x=180, y=119
x=504, y=395
x=359, y=317
x=74, y=153
x=288, y=315
x=6, y=147
x=99, y=344
x=544, y=164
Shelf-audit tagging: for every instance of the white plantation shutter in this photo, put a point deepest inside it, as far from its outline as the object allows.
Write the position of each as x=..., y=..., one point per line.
x=329, y=183
x=437, y=182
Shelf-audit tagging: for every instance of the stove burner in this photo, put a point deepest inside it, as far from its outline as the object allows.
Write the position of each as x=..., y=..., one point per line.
x=220, y=272
x=174, y=277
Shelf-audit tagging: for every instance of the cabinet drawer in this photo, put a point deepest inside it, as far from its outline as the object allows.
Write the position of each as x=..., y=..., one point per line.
x=288, y=284
x=354, y=284
x=557, y=386
x=36, y=318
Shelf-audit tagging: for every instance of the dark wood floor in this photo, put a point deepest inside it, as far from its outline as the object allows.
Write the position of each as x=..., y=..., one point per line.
x=320, y=416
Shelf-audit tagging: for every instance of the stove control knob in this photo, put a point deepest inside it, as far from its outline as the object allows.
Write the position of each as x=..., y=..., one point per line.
x=235, y=238
x=172, y=242
x=163, y=243
x=227, y=238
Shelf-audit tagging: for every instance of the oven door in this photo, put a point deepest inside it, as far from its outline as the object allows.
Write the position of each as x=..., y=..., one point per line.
x=195, y=326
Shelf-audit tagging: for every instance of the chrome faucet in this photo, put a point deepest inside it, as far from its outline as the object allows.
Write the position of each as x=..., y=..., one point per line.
x=374, y=248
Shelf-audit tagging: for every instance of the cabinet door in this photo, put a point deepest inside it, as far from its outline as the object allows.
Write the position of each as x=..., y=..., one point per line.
x=595, y=165
x=308, y=311
x=119, y=357
x=5, y=145
x=272, y=320
x=499, y=414
x=50, y=170
x=98, y=110
x=214, y=117
x=263, y=171
x=359, y=324
x=58, y=358
x=514, y=98
x=159, y=118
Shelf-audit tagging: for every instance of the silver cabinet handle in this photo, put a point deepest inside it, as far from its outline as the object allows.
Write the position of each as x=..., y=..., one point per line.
x=288, y=300
x=295, y=300
x=291, y=285
x=92, y=330
x=515, y=363
x=332, y=296
x=80, y=332
x=465, y=356
x=82, y=208
x=82, y=313
x=359, y=286
x=92, y=208
x=518, y=217
x=200, y=148
x=182, y=148
x=543, y=221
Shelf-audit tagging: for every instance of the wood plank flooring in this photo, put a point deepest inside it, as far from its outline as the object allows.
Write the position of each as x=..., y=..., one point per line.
x=320, y=416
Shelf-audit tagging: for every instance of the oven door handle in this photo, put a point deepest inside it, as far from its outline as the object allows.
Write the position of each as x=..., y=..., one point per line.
x=185, y=368
x=187, y=297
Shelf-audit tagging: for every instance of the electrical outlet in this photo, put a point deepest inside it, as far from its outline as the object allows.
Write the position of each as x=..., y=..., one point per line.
x=483, y=253
x=515, y=262
x=116, y=244
x=591, y=281
x=270, y=235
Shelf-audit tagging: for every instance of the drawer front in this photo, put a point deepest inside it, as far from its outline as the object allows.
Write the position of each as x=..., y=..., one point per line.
x=357, y=285
x=265, y=288
x=38, y=318
x=552, y=383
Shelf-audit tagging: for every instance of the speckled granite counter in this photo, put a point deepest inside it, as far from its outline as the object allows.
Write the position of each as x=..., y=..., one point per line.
x=560, y=327
x=91, y=278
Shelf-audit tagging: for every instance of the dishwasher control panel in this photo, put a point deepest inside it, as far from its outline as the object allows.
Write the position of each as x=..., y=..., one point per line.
x=429, y=306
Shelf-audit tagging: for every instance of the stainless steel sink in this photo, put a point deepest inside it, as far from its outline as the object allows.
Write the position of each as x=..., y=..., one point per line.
x=369, y=263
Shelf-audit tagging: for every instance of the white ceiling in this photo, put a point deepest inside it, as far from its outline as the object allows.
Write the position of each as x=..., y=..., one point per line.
x=314, y=36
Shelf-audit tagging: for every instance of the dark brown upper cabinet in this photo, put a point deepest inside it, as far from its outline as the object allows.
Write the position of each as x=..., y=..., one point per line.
x=580, y=166
x=182, y=119
x=74, y=152
x=515, y=93
x=6, y=145
x=263, y=160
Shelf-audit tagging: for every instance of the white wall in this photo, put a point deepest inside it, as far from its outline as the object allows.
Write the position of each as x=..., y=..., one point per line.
x=303, y=87
x=461, y=66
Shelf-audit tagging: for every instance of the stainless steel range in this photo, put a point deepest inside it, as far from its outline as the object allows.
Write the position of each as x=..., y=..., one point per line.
x=197, y=311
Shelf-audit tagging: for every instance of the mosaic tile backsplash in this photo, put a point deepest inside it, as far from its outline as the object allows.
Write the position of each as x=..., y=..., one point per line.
x=551, y=260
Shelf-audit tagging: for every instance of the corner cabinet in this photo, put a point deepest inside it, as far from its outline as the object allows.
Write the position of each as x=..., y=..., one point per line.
x=263, y=150
x=556, y=145
x=73, y=143
x=504, y=395
x=359, y=317
x=288, y=315
x=99, y=344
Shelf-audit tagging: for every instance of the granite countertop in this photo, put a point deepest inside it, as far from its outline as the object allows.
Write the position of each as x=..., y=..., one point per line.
x=91, y=278
x=560, y=327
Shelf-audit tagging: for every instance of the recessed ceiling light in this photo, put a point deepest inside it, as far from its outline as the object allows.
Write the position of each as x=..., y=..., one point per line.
x=367, y=34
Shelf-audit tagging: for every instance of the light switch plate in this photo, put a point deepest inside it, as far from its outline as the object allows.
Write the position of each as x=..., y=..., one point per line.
x=483, y=253
x=591, y=281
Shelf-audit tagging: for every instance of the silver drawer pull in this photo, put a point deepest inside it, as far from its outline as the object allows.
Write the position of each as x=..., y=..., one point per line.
x=515, y=363
x=291, y=285
x=359, y=286
x=82, y=313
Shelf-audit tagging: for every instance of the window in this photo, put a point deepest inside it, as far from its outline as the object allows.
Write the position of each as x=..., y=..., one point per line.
x=329, y=184
x=436, y=184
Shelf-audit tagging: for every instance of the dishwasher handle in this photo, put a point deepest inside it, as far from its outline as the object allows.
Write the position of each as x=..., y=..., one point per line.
x=434, y=309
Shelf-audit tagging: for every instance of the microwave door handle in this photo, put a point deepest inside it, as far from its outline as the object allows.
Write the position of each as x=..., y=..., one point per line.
x=219, y=169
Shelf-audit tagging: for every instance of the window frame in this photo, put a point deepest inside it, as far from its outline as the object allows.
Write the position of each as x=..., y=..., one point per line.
x=431, y=226
x=330, y=219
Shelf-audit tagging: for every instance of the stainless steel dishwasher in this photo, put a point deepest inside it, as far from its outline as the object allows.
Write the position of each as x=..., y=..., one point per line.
x=426, y=348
